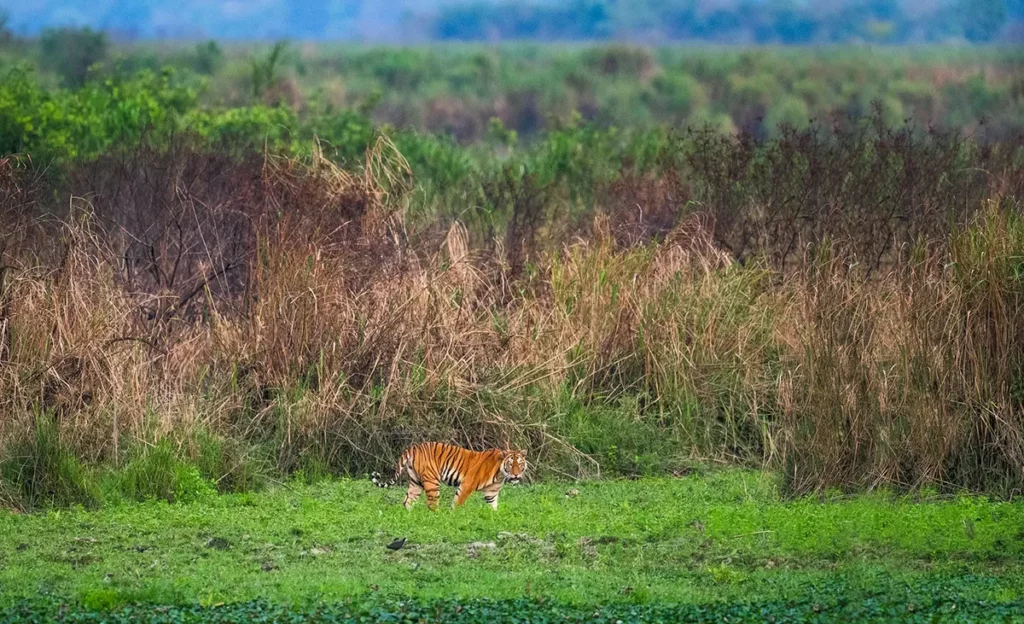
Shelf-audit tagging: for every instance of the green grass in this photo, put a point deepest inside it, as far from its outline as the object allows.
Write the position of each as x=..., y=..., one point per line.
x=727, y=538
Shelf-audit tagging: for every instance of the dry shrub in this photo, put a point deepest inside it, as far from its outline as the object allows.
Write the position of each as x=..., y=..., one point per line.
x=71, y=354
x=277, y=305
x=913, y=378
x=123, y=322
x=20, y=193
x=876, y=188
x=284, y=91
x=456, y=117
x=644, y=207
x=638, y=63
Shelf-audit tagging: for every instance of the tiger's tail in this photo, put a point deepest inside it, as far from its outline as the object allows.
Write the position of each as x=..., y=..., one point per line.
x=403, y=463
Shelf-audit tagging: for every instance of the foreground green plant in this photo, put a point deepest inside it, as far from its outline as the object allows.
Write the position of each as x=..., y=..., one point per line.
x=832, y=602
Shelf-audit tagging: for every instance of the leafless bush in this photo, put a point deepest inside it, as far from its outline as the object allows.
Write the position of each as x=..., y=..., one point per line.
x=873, y=187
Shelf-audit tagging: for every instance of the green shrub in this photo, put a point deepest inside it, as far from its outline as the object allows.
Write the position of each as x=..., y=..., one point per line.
x=71, y=52
x=265, y=70
x=69, y=125
x=675, y=96
x=620, y=437
x=344, y=135
x=229, y=464
x=43, y=471
x=157, y=473
x=243, y=131
x=791, y=111
x=209, y=57
x=435, y=160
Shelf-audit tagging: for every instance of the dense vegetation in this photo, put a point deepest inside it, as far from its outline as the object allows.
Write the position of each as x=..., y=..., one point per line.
x=459, y=90
x=228, y=289
x=687, y=549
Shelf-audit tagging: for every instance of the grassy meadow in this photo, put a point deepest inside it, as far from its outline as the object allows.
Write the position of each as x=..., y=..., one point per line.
x=756, y=314
x=724, y=543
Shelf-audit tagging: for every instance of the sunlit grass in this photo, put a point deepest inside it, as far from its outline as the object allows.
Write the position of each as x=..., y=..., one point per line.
x=727, y=536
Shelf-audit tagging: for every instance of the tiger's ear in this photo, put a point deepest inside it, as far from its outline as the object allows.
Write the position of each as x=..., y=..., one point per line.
x=523, y=452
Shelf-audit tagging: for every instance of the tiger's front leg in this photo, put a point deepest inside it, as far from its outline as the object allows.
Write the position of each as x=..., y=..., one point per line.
x=491, y=495
x=461, y=495
x=433, y=490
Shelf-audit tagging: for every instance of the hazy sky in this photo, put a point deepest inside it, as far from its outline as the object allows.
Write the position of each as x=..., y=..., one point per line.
x=234, y=19
x=410, y=20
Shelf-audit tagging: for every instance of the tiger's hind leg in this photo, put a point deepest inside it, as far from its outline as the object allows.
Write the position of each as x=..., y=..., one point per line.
x=412, y=494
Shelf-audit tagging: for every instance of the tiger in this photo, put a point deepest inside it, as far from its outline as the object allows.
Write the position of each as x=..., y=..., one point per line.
x=432, y=463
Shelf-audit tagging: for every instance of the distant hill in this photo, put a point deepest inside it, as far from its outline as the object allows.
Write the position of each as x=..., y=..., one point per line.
x=727, y=21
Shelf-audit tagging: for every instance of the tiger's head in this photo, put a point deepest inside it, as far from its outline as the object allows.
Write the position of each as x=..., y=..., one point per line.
x=513, y=466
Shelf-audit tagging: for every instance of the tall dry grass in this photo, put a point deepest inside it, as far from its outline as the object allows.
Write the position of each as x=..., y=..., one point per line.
x=913, y=378
x=282, y=318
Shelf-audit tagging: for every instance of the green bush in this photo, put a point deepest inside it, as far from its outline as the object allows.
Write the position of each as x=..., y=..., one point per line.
x=265, y=70
x=676, y=96
x=71, y=52
x=791, y=111
x=344, y=135
x=242, y=131
x=435, y=160
x=69, y=125
x=157, y=473
x=42, y=471
x=621, y=437
x=229, y=464
x=209, y=57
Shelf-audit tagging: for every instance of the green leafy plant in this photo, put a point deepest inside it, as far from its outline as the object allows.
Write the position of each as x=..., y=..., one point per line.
x=43, y=471
x=72, y=52
x=265, y=70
